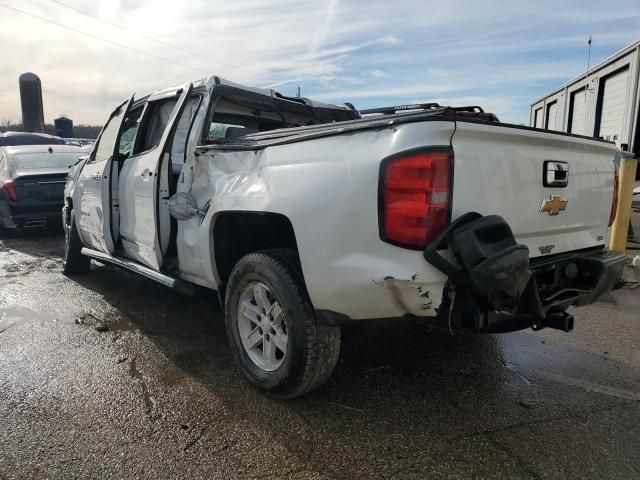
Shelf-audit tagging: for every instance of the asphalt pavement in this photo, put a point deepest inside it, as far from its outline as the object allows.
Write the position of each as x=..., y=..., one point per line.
x=108, y=375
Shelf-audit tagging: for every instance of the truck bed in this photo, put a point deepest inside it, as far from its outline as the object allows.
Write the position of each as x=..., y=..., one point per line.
x=298, y=134
x=498, y=169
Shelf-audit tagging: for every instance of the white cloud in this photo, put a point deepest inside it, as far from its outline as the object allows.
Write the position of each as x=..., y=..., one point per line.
x=501, y=53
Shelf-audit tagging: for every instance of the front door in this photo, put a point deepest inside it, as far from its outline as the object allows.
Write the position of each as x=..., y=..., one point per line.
x=97, y=184
x=144, y=183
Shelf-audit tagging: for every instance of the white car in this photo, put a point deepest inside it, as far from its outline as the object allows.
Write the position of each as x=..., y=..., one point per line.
x=304, y=216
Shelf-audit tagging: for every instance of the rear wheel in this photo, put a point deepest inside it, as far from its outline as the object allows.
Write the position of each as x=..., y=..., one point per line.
x=273, y=331
x=74, y=261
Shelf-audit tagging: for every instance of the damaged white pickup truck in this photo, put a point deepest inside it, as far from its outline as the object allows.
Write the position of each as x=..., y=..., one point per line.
x=304, y=216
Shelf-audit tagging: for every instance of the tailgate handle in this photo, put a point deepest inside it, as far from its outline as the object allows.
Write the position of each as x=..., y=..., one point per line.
x=555, y=174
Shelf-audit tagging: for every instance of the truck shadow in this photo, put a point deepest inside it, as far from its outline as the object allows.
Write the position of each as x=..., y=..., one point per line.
x=397, y=386
x=400, y=394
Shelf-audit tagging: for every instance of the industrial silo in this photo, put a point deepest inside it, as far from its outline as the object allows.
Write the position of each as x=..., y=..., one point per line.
x=31, y=101
x=63, y=127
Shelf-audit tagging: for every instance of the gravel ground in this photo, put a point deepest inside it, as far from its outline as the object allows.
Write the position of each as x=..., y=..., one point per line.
x=108, y=375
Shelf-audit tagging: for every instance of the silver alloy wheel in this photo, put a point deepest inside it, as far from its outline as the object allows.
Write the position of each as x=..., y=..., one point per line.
x=262, y=326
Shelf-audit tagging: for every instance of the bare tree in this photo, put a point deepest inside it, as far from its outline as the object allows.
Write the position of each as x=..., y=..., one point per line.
x=5, y=124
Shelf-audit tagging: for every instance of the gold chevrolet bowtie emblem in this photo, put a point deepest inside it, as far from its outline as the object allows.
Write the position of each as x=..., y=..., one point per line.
x=554, y=205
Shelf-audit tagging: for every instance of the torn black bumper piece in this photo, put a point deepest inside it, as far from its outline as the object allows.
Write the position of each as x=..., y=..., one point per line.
x=493, y=286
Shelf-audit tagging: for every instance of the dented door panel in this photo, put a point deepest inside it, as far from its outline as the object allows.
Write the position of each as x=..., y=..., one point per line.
x=95, y=185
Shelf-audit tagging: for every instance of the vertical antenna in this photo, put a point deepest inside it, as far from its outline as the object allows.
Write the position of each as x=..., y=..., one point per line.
x=298, y=94
x=586, y=84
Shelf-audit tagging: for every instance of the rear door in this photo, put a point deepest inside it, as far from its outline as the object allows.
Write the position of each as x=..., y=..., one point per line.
x=578, y=106
x=501, y=170
x=97, y=183
x=144, y=184
x=552, y=116
x=614, y=103
x=537, y=118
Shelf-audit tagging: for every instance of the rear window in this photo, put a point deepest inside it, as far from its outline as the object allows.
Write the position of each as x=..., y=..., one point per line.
x=221, y=130
x=32, y=161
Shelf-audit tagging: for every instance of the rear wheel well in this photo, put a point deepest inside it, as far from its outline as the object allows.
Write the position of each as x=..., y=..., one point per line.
x=236, y=234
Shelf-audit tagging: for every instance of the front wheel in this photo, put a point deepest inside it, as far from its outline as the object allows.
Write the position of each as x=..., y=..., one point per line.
x=73, y=261
x=272, y=327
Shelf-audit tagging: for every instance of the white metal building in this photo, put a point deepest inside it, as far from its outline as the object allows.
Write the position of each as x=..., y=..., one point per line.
x=603, y=102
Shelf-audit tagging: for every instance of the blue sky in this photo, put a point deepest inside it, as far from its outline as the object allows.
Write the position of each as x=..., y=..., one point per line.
x=498, y=54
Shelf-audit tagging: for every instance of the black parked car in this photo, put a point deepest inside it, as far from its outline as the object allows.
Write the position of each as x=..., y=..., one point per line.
x=32, y=179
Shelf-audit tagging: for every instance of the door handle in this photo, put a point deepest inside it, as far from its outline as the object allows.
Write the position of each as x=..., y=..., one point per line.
x=555, y=174
x=96, y=176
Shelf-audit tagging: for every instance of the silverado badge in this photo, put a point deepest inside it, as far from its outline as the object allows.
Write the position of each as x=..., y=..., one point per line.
x=554, y=205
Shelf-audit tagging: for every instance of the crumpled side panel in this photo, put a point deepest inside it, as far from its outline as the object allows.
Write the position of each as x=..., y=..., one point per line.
x=223, y=181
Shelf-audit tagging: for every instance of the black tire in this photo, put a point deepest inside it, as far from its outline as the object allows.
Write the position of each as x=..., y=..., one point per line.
x=73, y=261
x=312, y=348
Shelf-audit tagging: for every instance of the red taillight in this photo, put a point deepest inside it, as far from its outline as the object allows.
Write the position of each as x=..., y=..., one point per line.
x=415, y=197
x=10, y=188
x=614, y=201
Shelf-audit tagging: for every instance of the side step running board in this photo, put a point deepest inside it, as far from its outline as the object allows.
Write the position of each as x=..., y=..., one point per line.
x=167, y=281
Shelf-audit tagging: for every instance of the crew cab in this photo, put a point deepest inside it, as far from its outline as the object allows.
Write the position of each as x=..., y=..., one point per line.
x=304, y=216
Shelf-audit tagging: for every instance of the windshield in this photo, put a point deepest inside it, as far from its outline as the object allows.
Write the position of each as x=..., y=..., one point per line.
x=32, y=161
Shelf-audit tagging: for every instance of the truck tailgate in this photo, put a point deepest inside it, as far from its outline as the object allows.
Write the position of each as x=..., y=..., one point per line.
x=499, y=170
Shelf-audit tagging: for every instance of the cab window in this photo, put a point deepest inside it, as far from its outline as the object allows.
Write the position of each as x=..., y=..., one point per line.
x=180, y=137
x=129, y=131
x=144, y=128
x=154, y=123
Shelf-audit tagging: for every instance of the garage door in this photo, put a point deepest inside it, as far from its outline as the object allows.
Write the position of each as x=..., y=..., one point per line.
x=578, y=112
x=537, y=118
x=614, y=101
x=552, y=115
